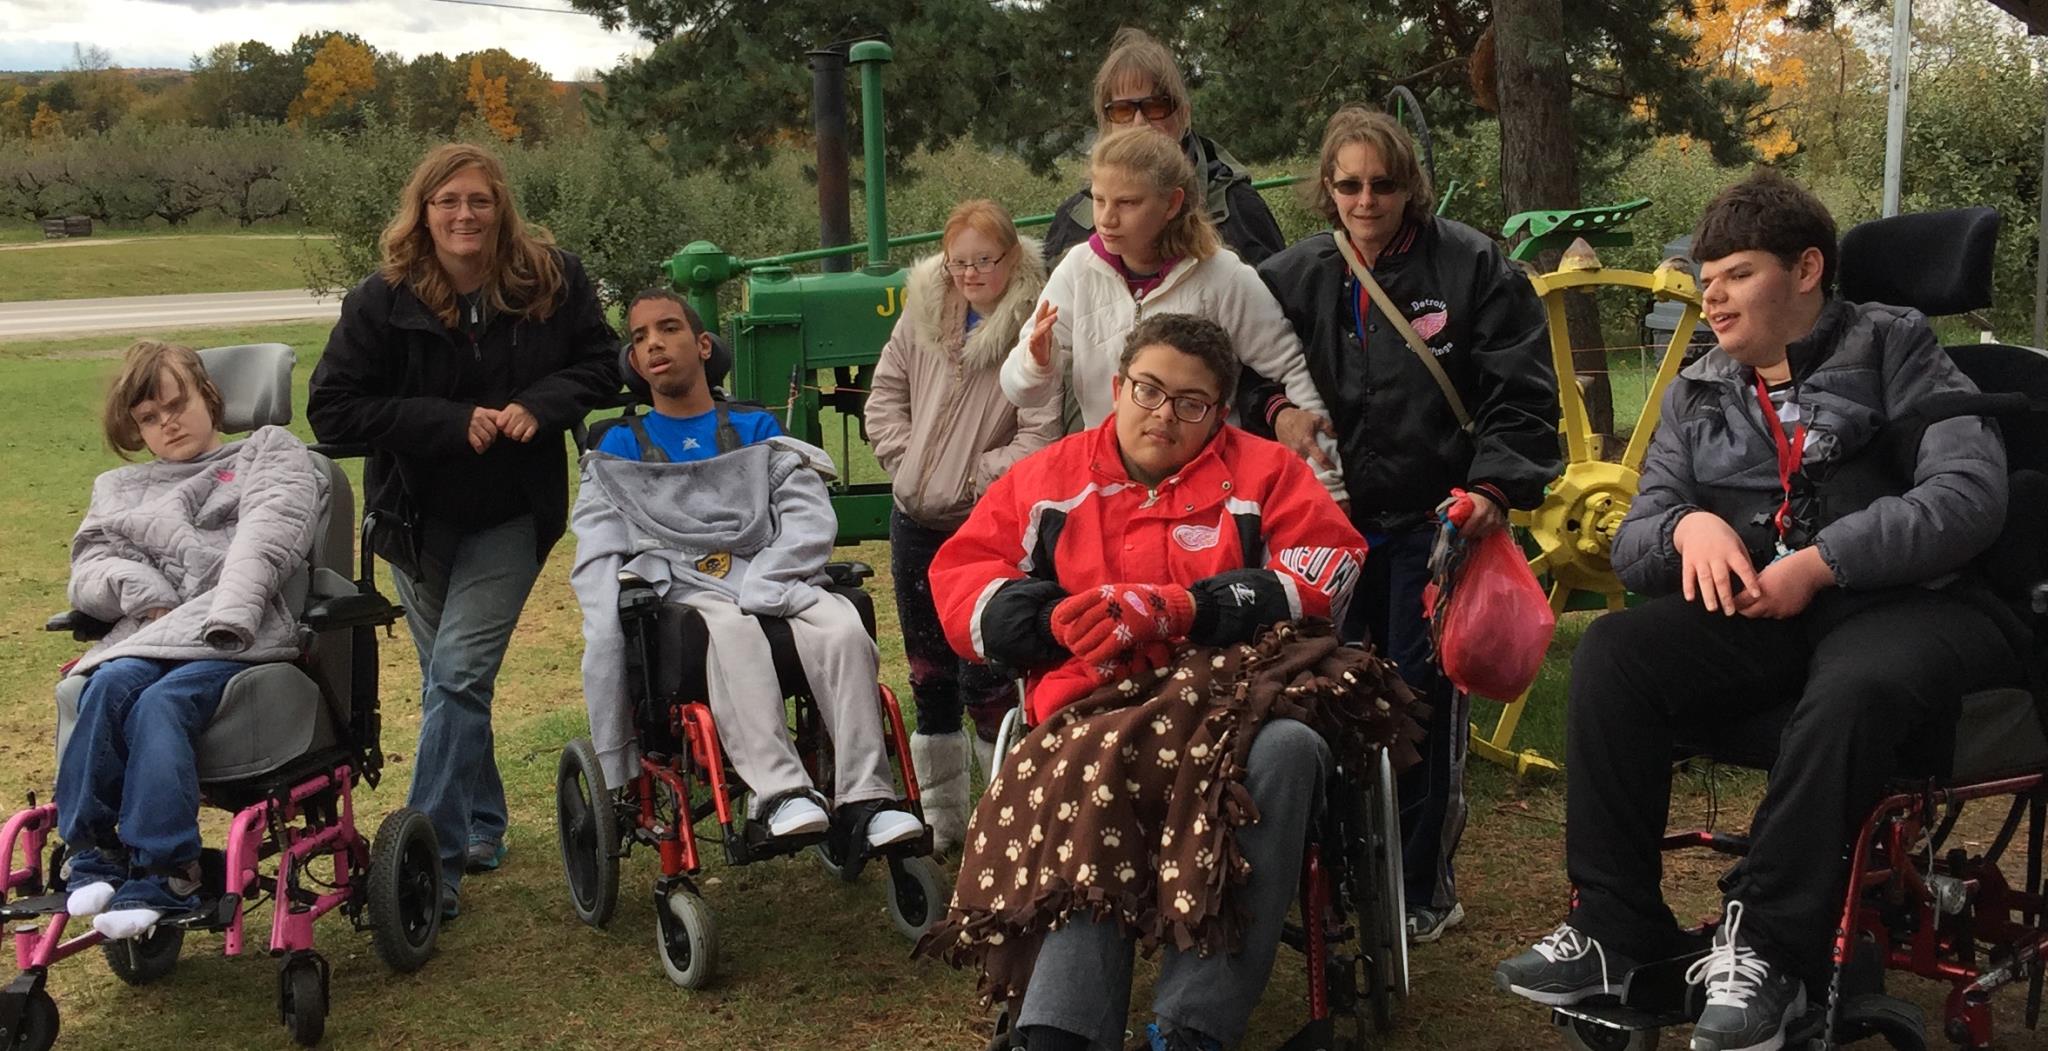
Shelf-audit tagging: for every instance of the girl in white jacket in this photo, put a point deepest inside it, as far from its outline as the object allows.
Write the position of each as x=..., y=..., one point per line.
x=1150, y=254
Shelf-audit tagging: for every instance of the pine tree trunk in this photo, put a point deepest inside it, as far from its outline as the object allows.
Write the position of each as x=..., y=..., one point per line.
x=1539, y=163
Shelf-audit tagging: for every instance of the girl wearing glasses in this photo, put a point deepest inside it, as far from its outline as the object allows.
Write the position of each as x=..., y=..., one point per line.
x=1139, y=85
x=461, y=363
x=1151, y=253
x=943, y=430
x=1406, y=443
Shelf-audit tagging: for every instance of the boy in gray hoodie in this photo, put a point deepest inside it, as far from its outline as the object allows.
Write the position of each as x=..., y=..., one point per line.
x=724, y=514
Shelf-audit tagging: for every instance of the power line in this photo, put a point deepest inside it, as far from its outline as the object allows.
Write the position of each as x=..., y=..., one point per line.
x=511, y=7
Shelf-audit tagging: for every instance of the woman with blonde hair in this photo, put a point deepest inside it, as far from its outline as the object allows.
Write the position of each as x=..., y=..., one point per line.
x=1455, y=393
x=942, y=429
x=1153, y=252
x=1140, y=86
x=461, y=363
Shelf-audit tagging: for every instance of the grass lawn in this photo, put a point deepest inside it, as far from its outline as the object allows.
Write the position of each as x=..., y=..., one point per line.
x=154, y=265
x=806, y=963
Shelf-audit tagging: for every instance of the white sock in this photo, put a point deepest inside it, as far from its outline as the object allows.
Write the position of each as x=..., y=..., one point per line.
x=125, y=923
x=89, y=899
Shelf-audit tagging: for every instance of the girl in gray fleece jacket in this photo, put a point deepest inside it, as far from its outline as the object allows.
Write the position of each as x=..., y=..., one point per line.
x=187, y=556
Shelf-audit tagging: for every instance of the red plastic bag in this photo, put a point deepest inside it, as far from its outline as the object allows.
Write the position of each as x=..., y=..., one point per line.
x=1489, y=618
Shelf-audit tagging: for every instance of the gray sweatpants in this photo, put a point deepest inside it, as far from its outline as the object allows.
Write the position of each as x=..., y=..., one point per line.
x=842, y=664
x=1082, y=982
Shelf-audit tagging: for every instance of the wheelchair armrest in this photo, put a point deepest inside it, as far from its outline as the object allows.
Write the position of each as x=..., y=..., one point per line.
x=82, y=627
x=637, y=598
x=356, y=610
x=340, y=450
x=848, y=574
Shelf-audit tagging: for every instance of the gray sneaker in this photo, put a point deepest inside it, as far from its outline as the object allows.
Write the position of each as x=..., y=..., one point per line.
x=1749, y=1002
x=1426, y=924
x=1567, y=967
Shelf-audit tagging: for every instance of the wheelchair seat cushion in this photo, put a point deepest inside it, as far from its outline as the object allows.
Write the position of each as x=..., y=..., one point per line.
x=678, y=660
x=269, y=715
x=1996, y=734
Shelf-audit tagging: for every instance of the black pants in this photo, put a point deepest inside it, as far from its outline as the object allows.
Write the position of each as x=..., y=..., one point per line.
x=942, y=684
x=1386, y=608
x=1867, y=676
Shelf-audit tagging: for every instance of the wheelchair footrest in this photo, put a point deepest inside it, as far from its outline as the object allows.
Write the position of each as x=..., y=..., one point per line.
x=33, y=908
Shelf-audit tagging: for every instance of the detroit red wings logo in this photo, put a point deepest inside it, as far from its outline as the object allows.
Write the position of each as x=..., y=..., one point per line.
x=1428, y=325
x=1195, y=537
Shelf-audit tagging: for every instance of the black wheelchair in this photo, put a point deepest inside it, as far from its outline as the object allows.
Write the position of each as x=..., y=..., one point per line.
x=283, y=754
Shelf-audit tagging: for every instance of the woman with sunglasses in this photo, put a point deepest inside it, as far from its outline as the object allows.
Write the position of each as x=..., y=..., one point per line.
x=1154, y=251
x=1478, y=413
x=943, y=430
x=1140, y=86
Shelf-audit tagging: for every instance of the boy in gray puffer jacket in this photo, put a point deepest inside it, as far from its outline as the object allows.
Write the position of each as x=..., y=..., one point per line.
x=190, y=557
x=1805, y=558
x=734, y=531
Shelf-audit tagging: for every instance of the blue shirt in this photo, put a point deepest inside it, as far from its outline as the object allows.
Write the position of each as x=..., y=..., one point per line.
x=686, y=438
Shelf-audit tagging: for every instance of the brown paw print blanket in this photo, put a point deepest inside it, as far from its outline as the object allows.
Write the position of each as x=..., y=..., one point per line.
x=1126, y=802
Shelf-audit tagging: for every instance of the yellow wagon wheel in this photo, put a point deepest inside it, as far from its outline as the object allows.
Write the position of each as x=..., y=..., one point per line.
x=1573, y=530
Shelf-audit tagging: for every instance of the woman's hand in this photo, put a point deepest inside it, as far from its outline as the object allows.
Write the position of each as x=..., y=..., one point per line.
x=1486, y=517
x=154, y=614
x=1297, y=429
x=483, y=428
x=1709, y=553
x=1041, y=335
x=516, y=423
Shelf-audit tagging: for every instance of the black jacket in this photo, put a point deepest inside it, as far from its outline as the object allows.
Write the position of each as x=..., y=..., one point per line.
x=1240, y=214
x=1401, y=445
x=395, y=378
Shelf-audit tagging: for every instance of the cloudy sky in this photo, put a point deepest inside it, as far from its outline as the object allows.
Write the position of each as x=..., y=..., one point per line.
x=40, y=34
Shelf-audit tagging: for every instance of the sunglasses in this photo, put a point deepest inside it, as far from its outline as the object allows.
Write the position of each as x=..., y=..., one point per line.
x=1384, y=186
x=1154, y=107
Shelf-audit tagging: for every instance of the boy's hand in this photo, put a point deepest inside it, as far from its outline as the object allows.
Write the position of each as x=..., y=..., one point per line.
x=1787, y=586
x=1709, y=553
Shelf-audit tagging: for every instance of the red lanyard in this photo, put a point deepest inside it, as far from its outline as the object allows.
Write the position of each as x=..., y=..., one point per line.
x=1790, y=452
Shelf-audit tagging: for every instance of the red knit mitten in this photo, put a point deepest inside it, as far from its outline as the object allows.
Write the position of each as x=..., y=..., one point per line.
x=1098, y=625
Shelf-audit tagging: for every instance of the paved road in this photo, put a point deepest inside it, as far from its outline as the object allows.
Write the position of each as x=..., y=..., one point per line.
x=161, y=313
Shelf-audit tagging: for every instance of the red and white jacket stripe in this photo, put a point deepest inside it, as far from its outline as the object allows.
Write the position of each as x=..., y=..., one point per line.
x=1245, y=526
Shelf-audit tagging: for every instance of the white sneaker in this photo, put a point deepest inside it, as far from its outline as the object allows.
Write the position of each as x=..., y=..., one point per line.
x=797, y=816
x=892, y=826
x=89, y=899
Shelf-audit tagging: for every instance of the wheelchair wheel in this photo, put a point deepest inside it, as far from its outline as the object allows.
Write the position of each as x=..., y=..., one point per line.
x=36, y=1030
x=145, y=958
x=588, y=829
x=405, y=890
x=687, y=937
x=1581, y=1035
x=917, y=895
x=302, y=998
x=1381, y=894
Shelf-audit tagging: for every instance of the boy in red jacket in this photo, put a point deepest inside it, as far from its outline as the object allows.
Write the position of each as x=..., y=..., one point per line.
x=1090, y=562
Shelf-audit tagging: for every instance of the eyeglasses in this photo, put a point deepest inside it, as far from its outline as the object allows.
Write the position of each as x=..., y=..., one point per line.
x=1185, y=408
x=1383, y=186
x=983, y=265
x=449, y=202
x=1154, y=107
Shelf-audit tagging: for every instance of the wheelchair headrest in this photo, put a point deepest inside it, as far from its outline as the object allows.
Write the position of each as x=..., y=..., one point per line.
x=715, y=368
x=255, y=382
x=1938, y=263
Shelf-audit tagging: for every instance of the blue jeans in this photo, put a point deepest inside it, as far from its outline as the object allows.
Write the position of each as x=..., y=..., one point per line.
x=128, y=776
x=461, y=621
x=1386, y=609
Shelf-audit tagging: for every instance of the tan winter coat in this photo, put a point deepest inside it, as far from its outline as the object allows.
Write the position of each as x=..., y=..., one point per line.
x=937, y=417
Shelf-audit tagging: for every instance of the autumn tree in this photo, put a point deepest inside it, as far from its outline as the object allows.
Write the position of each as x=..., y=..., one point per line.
x=47, y=124
x=508, y=93
x=341, y=74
